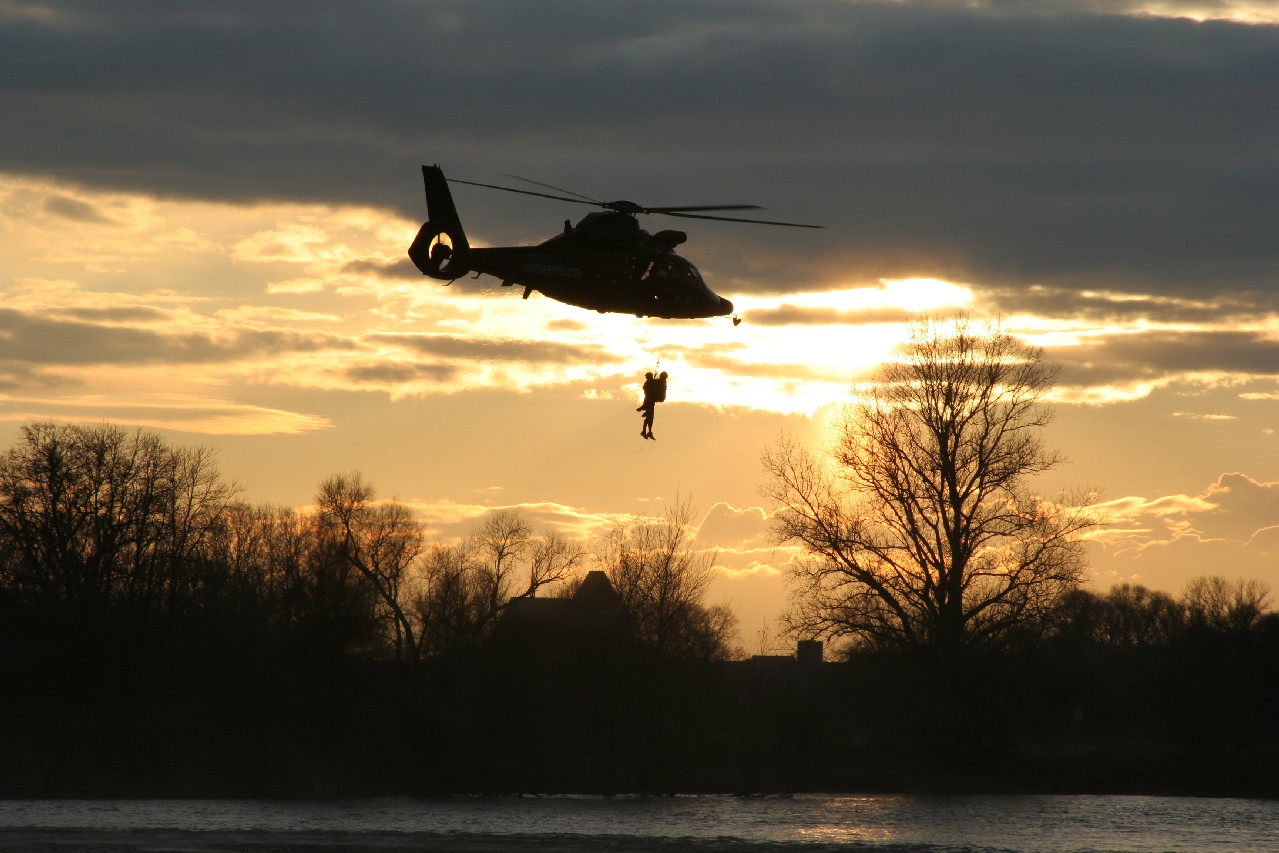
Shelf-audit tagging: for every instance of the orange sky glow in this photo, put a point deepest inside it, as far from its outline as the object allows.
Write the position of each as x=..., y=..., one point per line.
x=204, y=217
x=220, y=324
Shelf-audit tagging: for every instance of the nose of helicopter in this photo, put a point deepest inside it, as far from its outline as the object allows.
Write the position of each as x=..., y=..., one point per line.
x=725, y=307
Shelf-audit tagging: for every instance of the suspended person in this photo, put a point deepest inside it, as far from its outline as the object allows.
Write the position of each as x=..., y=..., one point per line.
x=650, y=388
x=654, y=393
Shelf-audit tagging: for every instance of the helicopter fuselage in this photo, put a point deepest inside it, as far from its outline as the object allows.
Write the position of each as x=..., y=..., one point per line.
x=639, y=275
x=605, y=263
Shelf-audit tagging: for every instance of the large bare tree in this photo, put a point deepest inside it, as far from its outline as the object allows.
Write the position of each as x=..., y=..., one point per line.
x=921, y=528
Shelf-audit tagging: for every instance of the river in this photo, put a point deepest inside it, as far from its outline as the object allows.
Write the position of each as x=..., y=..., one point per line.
x=814, y=823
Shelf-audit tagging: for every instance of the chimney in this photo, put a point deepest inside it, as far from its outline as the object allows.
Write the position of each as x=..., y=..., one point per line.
x=809, y=652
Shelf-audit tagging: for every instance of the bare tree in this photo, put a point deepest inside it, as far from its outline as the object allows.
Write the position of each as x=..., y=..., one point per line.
x=381, y=540
x=502, y=538
x=1229, y=607
x=468, y=585
x=661, y=579
x=96, y=514
x=921, y=529
x=553, y=559
x=1133, y=616
x=451, y=606
x=271, y=549
x=195, y=514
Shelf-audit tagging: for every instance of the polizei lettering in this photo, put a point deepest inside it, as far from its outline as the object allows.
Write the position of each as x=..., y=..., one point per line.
x=552, y=269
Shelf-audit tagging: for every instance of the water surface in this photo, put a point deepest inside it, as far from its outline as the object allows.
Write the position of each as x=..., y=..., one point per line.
x=901, y=824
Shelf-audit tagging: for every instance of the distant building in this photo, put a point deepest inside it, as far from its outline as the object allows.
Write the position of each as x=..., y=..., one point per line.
x=589, y=624
x=809, y=652
x=591, y=619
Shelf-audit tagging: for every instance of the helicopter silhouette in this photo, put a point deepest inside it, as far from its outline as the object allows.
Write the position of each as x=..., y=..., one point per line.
x=605, y=263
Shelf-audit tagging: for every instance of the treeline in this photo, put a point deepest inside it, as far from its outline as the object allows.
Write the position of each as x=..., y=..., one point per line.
x=1128, y=691
x=159, y=636
x=101, y=529
x=1163, y=688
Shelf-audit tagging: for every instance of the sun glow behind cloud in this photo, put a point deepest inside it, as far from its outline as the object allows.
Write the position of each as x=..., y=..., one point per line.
x=1241, y=11
x=216, y=320
x=153, y=306
x=163, y=305
x=797, y=353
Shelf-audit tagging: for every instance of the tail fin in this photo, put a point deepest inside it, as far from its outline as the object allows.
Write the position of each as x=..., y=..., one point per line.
x=439, y=201
x=440, y=249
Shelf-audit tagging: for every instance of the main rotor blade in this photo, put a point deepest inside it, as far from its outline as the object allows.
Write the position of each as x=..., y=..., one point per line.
x=524, y=192
x=639, y=208
x=684, y=212
x=703, y=207
x=736, y=219
x=557, y=189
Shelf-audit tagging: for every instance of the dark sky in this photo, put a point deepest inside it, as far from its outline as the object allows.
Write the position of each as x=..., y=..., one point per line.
x=1009, y=142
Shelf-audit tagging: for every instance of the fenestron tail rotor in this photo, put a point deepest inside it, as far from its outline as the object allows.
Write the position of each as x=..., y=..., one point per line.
x=440, y=249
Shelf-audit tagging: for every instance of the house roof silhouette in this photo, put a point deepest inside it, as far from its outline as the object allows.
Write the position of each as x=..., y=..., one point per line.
x=590, y=616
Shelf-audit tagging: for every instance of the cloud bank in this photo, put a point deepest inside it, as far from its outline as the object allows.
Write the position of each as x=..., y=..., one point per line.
x=1083, y=145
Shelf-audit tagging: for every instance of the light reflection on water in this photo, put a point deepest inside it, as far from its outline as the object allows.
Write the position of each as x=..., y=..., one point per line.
x=1027, y=824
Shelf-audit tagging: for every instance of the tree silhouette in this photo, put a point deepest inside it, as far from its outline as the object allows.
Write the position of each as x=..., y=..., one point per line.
x=502, y=538
x=451, y=606
x=158, y=638
x=92, y=516
x=1227, y=607
x=468, y=584
x=553, y=558
x=380, y=540
x=661, y=579
x=923, y=531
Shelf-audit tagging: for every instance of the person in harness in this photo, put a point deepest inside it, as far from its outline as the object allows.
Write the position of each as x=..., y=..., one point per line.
x=654, y=393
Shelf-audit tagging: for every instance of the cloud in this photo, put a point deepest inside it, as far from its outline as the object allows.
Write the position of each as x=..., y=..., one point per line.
x=182, y=413
x=63, y=342
x=788, y=315
x=1202, y=350
x=1102, y=307
x=283, y=295
x=123, y=314
x=725, y=525
x=1078, y=145
x=74, y=210
x=449, y=521
x=402, y=268
x=1168, y=540
x=1242, y=507
x=496, y=349
x=400, y=373
x=1111, y=365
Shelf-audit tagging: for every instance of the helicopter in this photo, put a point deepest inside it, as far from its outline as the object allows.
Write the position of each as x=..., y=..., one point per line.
x=605, y=262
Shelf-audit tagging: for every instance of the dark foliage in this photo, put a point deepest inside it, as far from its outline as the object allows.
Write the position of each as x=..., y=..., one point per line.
x=160, y=638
